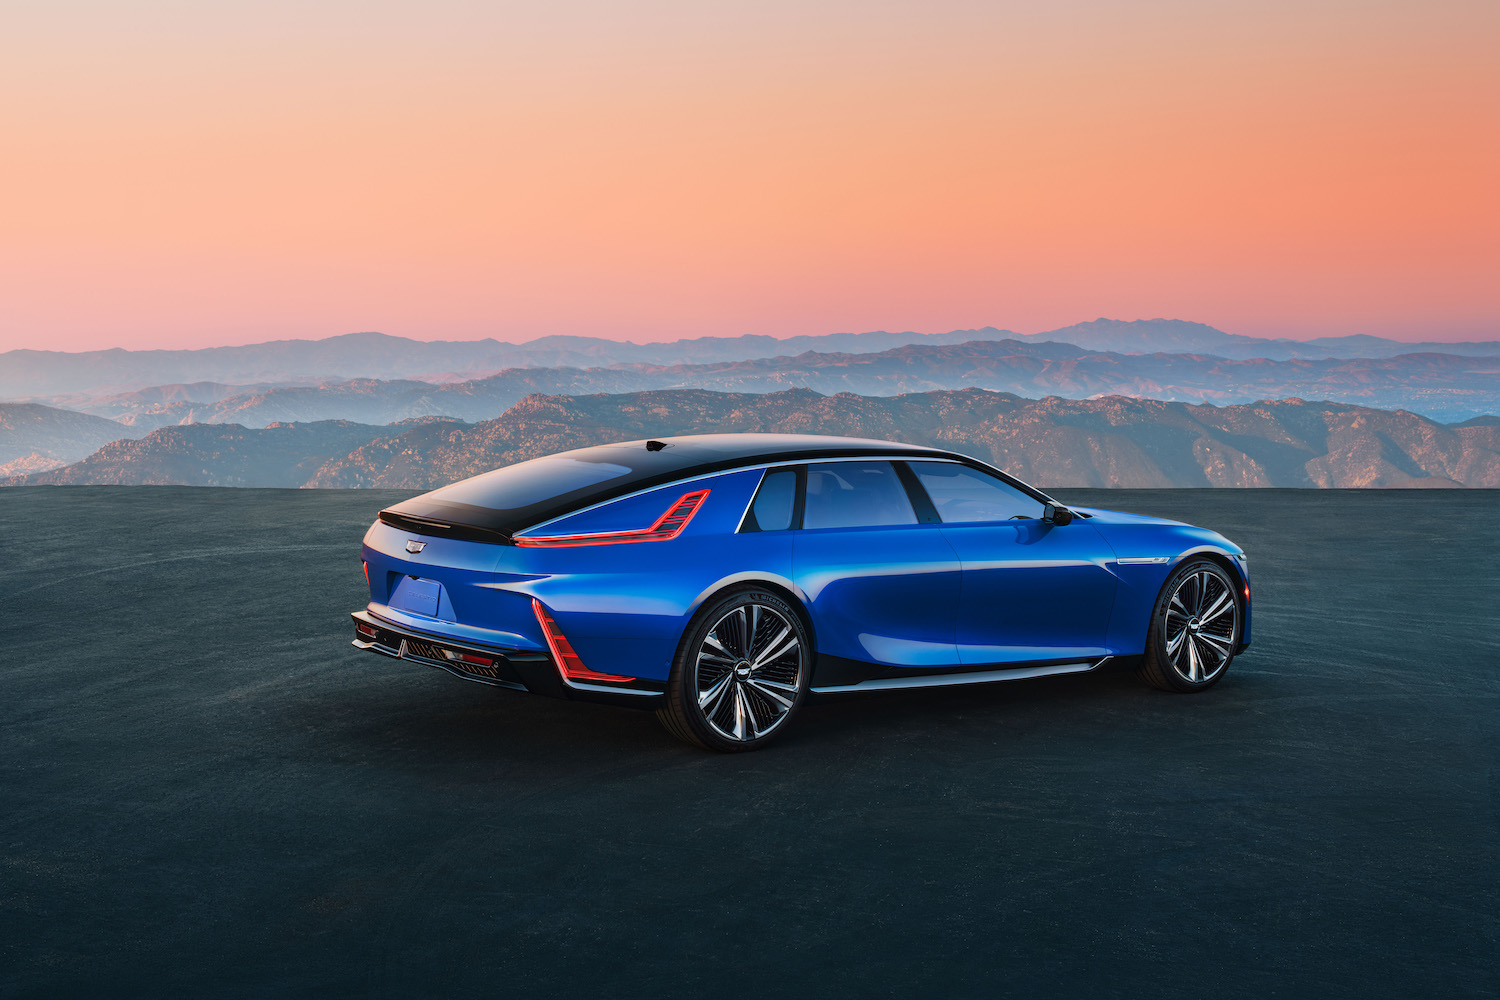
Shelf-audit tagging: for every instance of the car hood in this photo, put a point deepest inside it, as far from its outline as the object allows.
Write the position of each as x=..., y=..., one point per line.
x=1098, y=516
x=1141, y=534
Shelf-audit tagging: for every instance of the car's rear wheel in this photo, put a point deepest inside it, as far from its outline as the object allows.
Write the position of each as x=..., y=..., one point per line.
x=741, y=672
x=1195, y=629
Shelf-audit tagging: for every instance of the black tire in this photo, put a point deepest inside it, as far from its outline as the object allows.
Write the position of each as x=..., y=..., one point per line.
x=1195, y=629
x=741, y=672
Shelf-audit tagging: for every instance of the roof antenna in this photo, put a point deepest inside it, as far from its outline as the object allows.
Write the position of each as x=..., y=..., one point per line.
x=655, y=445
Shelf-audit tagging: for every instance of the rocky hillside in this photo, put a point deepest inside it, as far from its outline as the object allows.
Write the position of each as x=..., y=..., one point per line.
x=1114, y=441
x=35, y=437
x=218, y=455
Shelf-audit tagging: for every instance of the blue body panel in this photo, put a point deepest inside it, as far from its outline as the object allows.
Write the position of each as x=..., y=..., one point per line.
x=1135, y=536
x=923, y=596
x=881, y=595
x=1032, y=591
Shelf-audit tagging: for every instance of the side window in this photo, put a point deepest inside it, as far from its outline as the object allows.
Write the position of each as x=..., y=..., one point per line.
x=772, y=508
x=962, y=494
x=855, y=495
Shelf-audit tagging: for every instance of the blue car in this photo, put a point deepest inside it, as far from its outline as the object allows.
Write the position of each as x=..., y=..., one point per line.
x=721, y=579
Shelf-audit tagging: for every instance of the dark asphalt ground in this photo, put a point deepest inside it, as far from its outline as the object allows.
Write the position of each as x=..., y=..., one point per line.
x=205, y=791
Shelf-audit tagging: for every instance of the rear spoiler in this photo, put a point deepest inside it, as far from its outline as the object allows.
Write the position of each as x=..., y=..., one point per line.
x=445, y=529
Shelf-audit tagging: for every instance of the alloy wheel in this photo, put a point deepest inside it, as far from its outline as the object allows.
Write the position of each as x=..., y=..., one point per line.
x=747, y=672
x=1200, y=625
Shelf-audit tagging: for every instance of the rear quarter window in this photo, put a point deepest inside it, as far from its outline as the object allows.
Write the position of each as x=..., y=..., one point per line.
x=774, y=502
x=728, y=495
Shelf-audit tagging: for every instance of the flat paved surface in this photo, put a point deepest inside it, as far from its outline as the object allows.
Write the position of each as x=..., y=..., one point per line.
x=205, y=791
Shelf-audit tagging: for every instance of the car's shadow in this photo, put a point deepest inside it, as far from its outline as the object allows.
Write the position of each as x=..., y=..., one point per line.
x=416, y=721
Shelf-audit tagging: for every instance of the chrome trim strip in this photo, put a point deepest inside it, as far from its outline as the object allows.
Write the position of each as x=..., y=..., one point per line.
x=579, y=686
x=1144, y=560
x=740, y=525
x=977, y=677
x=747, y=467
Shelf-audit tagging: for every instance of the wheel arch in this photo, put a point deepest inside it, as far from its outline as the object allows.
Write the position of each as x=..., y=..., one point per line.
x=780, y=587
x=1224, y=561
x=1227, y=563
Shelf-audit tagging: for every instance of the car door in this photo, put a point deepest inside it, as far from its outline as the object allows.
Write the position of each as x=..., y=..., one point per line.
x=1032, y=591
x=881, y=588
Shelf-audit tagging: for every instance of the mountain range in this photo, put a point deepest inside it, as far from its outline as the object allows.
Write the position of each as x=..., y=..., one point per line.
x=53, y=376
x=1441, y=386
x=1054, y=442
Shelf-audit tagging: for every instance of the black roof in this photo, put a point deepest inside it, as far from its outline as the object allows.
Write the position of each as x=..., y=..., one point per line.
x=651, y=463
x=689, y=453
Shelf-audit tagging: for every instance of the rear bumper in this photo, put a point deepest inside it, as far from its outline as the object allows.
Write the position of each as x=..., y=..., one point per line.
x=498, y=666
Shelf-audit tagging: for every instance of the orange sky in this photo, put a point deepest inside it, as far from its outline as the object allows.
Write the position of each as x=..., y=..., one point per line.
x=179, y=174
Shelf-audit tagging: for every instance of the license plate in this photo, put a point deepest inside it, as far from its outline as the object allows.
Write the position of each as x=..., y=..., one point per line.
x=418, y=596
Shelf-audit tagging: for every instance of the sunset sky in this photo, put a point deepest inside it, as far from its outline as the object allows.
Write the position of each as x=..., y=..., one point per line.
x=188, y=174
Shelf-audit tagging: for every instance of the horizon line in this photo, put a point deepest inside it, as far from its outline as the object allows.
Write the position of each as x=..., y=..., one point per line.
x=1010, y=334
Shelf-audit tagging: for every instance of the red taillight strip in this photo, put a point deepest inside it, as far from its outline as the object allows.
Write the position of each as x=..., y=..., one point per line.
x=568, y=662
x=667, y=527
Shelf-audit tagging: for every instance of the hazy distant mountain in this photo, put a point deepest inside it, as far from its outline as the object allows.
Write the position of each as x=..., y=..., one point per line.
x=371, y=401
x=219, y=455
x=50, y=376
x=36, y=375
x=1115, y=441
x=1175, y=336
x=31, y=374
x=128, y=407
x=1444, y=387
x=34, y=437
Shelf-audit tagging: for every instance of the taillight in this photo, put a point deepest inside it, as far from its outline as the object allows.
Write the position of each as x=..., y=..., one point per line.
x=667, y=527
x=368, y=631
x=366, y=565
x=481, y=661
x=568, y=661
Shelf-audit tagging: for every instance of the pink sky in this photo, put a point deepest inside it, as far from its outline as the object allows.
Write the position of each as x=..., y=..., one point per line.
x=185, y=175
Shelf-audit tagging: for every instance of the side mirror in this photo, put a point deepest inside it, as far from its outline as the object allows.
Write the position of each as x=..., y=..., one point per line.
x=1057, y=515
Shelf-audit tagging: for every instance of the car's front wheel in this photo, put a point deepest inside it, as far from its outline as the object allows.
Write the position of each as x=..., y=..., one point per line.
x=741, y=672
x=1195, y=629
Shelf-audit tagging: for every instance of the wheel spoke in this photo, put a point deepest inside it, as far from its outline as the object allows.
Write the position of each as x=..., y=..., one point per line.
x=1194, y=669
x=741, y=713
x=739, y=632
x=768, y=691
x=713, y=640
x=777, y=649
x=1210, y=657
x=753, y=627
x=1223, y=604
x=1217, y=643
x=709, y=700
x=1174, y=644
